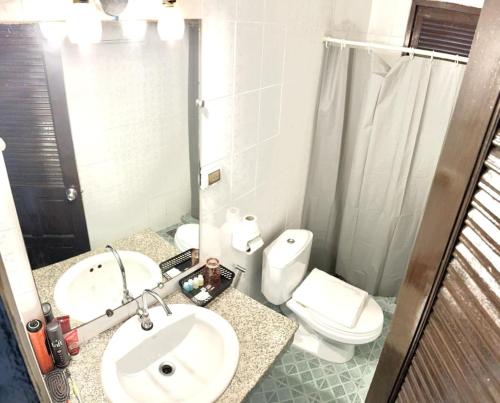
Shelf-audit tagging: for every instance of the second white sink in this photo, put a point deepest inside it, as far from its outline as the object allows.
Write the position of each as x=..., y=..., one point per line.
x=189, y=357
x=94, y=284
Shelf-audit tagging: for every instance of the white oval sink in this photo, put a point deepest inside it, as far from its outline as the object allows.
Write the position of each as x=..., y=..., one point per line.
x=198, y=346
x=94, y=284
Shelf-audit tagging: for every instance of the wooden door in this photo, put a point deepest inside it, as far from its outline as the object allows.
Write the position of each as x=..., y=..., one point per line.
x=458, y=356
x=40, y=159
x=461, y=164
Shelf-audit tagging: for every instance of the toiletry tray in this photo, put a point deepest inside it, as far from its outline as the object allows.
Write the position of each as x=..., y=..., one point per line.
x=226, y=278
x=182, y=262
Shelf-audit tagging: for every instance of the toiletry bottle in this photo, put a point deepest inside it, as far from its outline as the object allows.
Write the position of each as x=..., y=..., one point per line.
x=37, y=339
x=211, y=272
x=47, y=312
x=57, y=344
x=71, y=339
x=64, y=323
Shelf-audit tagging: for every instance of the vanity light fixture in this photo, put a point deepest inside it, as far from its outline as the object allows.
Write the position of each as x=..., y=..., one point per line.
x=133, y=26
x=84, y=23
x=52, y=17
x=170, y=22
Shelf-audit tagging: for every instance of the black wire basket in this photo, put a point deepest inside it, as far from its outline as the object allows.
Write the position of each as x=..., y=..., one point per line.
x=182, y=262
x=226, y=278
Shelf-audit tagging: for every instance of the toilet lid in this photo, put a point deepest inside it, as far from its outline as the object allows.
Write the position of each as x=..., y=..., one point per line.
x=187, y=237
x=367, y=329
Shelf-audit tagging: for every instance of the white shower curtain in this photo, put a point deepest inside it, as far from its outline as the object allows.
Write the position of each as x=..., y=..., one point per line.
x=379, y=132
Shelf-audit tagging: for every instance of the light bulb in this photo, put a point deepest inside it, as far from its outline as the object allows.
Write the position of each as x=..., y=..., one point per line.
x=84, y=24
x=53, y=31
x=133, y=25
x=171, y=23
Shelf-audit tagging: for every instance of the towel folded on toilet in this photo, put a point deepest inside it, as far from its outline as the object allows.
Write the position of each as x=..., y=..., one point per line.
x=332, y=298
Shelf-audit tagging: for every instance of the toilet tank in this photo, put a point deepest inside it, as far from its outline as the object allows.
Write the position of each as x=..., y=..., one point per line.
x=285, y=263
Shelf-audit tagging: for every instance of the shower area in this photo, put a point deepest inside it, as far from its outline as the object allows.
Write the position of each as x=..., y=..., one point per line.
x=381, y=120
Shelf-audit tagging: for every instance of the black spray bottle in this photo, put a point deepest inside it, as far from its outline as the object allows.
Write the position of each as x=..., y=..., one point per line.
x=57, y=344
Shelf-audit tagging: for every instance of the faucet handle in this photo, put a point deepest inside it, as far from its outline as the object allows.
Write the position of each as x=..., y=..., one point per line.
x=144, y=318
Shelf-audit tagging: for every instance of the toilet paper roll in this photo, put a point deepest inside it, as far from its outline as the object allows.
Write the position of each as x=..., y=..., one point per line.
x=246, y=235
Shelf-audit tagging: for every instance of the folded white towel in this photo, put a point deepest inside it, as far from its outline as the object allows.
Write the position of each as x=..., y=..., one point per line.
x=332, y=298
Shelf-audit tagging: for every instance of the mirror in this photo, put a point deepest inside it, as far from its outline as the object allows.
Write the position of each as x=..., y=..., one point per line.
x=111, y=158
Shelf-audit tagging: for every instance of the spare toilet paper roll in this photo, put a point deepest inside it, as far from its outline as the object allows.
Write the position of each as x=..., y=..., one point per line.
x=246, y=235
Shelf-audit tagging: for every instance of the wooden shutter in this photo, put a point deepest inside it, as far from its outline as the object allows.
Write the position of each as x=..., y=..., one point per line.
x=442, y=27
x=32, y=155
x=457, y=359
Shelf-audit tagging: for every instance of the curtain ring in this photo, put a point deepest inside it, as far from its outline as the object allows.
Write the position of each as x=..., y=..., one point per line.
x=342, y=44
x=456, y=59
x=412, y=53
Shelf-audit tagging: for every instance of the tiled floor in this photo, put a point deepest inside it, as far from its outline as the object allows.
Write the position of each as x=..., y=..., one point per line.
x=298, y=376
x=169, y=232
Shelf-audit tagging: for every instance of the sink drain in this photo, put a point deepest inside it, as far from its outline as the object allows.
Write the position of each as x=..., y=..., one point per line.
x=166, y=369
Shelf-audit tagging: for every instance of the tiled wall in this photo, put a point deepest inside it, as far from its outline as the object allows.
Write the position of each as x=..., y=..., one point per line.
x=260, y=69
x=128, y=111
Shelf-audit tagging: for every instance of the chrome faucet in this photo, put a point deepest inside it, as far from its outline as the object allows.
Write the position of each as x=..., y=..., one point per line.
x=126, y=293
x=143, y=312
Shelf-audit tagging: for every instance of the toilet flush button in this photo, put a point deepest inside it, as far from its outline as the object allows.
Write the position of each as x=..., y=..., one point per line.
x=290, y=240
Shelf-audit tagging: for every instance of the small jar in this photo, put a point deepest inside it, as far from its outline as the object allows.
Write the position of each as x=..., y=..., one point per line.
x=195, y=257
x=211, y=272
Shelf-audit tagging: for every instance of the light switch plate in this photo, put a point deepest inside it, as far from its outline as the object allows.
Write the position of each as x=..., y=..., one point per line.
x=209, y=176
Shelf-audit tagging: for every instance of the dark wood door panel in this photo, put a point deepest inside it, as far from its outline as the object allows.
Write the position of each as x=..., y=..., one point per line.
x=458, y=356
x=39, y=156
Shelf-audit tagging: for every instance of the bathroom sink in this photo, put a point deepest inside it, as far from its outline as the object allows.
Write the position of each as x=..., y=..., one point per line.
x=190, y=357
x=93, y=285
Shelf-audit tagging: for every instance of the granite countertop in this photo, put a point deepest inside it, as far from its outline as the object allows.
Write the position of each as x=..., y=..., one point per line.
x=147, y=242
x=262, y=334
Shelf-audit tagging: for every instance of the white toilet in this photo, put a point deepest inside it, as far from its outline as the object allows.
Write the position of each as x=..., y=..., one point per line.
x=285, y=264
x=187, y=237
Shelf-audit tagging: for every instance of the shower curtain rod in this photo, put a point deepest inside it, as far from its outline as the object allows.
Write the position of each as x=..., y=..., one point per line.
x=400, y=49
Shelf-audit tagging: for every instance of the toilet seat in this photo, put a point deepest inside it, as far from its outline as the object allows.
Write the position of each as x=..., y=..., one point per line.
x=367, y=329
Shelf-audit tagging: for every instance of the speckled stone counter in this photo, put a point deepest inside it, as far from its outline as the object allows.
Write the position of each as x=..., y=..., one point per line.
x=262, y=334
x=147, y=242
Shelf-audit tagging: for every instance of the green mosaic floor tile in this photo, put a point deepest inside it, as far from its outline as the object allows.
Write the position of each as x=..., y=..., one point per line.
x=300, y=377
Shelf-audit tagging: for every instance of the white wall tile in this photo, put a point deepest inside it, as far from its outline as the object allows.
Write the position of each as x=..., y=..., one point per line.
x=243, y=172
x=248, y=56
x=273, y=53
x=352, y=17
x=250, y=10
x=219, y=9
x=267, y=152
x=216, y=130
x=190, y=8
x=270, y=108
x=246, y=120
x=217, y=50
